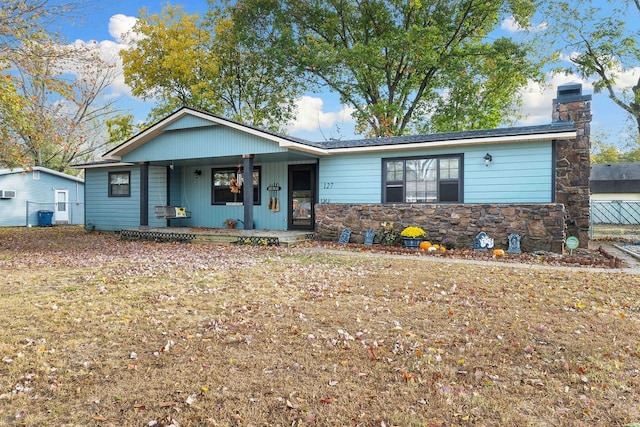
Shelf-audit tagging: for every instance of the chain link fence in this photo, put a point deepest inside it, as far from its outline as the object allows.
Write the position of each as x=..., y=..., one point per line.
x=46, y=214
x=616, y=219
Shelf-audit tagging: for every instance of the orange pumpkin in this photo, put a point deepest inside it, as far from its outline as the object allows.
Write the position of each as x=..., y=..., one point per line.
x=498, y=252
x=425, y=245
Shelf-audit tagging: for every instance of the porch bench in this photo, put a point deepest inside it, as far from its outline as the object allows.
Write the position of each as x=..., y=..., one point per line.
x=171, y=212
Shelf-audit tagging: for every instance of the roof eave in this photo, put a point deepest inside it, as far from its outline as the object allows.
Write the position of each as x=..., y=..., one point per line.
x=302, y=147
x=458, y=142
x=102, y=165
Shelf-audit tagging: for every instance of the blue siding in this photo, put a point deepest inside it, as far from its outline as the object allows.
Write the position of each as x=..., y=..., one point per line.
x=115, y=213
x=350, y=178
x=200, y=143
x=519, y=172
x=189, y=121
x=157, y=194
x=38, y=194
x=111, y=213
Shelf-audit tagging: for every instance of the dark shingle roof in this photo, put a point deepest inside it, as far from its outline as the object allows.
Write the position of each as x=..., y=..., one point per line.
x=615, y=171
x=451, y=136
x=615, y=178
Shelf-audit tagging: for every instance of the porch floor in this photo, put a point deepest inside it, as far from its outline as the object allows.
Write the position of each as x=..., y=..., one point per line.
x=217, y=235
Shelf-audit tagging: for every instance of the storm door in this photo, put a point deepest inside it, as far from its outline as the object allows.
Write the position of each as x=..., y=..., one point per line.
x=62, y=207
x=302, y=196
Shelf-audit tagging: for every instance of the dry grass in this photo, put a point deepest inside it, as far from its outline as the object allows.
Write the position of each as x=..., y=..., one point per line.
x=98, y=331
x=630, y=233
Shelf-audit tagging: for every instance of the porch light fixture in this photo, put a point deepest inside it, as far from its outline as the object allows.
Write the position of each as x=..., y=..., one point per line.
x=197, y=173
x=487, y=159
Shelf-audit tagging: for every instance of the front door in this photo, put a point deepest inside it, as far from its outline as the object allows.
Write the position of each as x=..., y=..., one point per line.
x=62, y=206
x=302, y=196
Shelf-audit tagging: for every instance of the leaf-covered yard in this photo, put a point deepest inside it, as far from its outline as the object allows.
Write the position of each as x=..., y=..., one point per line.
x=99, y=331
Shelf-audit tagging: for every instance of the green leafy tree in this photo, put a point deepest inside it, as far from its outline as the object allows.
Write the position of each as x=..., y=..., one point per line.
x=254, y=81
x=120, y=128
x=169, y=61
x=408, y=65
x=605, y=45
x=209, y=64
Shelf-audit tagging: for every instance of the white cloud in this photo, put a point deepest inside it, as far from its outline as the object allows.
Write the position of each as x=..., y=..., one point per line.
x=510, y=25
x=537, y=99
x=119, y=24
x=311, y=117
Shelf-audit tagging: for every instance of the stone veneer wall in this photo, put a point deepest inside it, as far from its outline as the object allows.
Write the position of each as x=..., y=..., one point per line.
x=573, y=166
x=541, y=226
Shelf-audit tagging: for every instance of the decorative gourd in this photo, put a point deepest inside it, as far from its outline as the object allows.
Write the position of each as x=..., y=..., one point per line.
x=425, y=245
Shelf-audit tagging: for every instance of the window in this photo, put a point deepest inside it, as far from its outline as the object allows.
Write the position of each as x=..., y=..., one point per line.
x=422, y=179
x=221, y=186
x=119, y=184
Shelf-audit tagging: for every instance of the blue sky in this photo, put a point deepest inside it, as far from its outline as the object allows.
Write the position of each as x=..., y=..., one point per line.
x=320, y=115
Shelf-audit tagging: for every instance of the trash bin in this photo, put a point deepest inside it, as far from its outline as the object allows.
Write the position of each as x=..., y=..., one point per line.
x=45, y=218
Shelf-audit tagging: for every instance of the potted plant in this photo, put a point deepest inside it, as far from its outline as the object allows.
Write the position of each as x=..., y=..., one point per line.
x=387, y=235
x=230, y=222
x=449, y=243
x=412, y=236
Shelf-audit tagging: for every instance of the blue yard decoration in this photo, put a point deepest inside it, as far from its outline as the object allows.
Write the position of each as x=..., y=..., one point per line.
x=482, y=242
x=369, y=235
x=345, y=236
x=514, y=244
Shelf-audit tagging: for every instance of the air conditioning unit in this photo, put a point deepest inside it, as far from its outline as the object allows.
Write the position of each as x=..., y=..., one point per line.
x=7, y=194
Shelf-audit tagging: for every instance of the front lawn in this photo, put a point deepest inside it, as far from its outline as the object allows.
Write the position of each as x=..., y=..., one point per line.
x=99, y=331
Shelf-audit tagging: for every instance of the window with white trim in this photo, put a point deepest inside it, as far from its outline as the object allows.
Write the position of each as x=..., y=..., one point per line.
x=432, y=179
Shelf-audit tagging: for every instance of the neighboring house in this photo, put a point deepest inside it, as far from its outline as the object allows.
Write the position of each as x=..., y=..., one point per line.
x=25, y=192
x=615, y=181
x=533, y=181
x=615, y=193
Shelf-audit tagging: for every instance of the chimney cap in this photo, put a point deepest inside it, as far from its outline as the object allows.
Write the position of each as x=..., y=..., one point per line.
x=570, y=89
x=570, y=92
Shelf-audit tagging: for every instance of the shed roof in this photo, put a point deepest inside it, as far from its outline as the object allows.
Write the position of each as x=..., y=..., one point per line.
x=41, y=169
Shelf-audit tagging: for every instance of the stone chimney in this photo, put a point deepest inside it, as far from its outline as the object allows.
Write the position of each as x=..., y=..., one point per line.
x=573, y=165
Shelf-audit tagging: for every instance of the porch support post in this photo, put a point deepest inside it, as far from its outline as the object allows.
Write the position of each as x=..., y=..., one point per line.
x=144, y=195
x=248, y=191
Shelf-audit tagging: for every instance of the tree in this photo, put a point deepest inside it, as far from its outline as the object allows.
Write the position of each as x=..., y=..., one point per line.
x=408, y=65
x=183, y=60
x=604, y=46
x=254, y=81
x=62, y=87
x=169, y=60
x=50, y=107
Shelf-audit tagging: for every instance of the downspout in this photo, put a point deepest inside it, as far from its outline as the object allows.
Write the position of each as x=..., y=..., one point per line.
x=248, y=191
x=144, y=195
